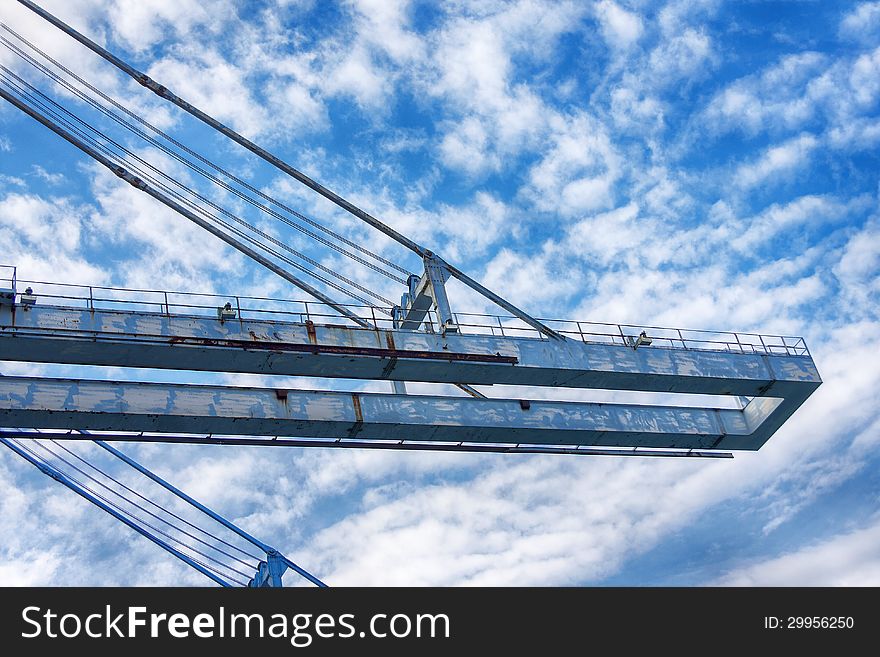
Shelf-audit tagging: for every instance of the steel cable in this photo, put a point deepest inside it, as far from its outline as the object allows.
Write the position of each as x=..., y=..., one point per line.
x=136, y=519
x=212, y=165
x=160, y=507
x=198, y=196
x=194, y=207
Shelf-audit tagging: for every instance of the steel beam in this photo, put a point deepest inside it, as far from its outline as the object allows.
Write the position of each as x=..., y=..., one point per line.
x=399, y=445
x=777, y=383
x=175, y=408
x=51, y=334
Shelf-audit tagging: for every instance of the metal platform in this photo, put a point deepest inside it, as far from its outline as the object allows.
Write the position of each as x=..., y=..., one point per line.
x=773, y=375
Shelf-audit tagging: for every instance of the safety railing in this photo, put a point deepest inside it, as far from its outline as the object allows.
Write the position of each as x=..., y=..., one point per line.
x=8, y=275
x=628, y=335
x=255, y=308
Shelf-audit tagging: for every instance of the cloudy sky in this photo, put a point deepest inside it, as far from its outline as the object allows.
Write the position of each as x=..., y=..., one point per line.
x=693, y=163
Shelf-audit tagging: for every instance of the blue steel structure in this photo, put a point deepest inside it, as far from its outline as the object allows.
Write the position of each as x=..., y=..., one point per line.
x=748, y=385
x=33, y=446
x=757, y=381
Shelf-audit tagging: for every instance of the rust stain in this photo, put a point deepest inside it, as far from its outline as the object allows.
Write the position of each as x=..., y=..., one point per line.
x=310, y=329
x=343, y=351
x=392, y=361
x=358, y=413
x=358, y=416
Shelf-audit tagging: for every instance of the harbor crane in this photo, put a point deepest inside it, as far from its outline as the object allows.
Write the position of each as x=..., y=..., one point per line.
x=754, y=382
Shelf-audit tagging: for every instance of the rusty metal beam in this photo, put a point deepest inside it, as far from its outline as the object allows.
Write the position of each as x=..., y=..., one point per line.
x=54, y=334
x=198, y=409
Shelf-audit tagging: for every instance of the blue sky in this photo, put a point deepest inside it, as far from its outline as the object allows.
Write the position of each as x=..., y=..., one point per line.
x=691, y=163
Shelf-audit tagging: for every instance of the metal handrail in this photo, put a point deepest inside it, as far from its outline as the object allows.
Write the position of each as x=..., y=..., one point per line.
x=11, y=278
x=256, y=308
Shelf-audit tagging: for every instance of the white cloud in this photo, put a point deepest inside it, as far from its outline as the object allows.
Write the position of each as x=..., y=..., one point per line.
x=859, y=269
x=588, y=193
x=20, y=571
x=621, y=28
x=785, y=95
x=862, y=23
x=384, y=24
x=636, y=112
x=677, y=15
x=608, y=236
x=164, y=246
x=31, y=219
x=777, y=162
x=864, y=79
x=302, y=110
x=472, y=64
x=208, y=81
x=683, y=57
x=494, y=116
x=44, y=239
x=794, y=217
x=13, y=181
x=578, y=169
x=89, y=17
x=849, y=559
x=860, y=261
x=357, y=75
x=487, y=534
x=536, y=277
x=141, y=24
x=856, y=135
x=800, y=91
x=50, y=178
x=470, y=230
x=466, y=148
